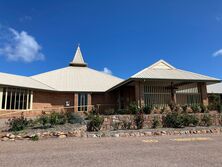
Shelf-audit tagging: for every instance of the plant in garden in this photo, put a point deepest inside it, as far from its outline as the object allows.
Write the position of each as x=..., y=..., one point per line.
x=203, y=108
x=74, y=118
x=95, y=122
x=206, y=120
x=44, y=120
x=173, y=120
x=18, y=123
x=133, y=108
x=147, y=109
x=35, y=138
x=156, y=123
x=190, y=120
x=127, y=124
x=56, y=118
x=196, y=108
x=139, y=120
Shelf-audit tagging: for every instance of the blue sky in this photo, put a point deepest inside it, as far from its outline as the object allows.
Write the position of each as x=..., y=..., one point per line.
x=124, y=36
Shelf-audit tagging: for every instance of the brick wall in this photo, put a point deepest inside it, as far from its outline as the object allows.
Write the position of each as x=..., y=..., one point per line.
x=43, y=99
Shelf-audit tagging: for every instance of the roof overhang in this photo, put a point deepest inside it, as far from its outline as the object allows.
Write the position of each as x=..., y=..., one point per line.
x=127, y=81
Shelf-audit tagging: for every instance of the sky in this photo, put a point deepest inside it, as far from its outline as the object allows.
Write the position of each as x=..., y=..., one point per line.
x=118, y=37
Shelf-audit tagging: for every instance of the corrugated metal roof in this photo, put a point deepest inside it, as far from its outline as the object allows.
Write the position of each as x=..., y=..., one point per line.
x=78, y=79
x=215, y=88
x=22, y=81
x=163, y=70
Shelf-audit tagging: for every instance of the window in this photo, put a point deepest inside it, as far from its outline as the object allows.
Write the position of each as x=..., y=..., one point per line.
x=82, y=101
x=15, y=99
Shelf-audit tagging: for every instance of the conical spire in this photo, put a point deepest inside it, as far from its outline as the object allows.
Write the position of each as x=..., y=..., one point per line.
x=78, y=59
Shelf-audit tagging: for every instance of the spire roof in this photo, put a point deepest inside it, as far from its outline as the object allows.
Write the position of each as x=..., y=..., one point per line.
x=78, y=59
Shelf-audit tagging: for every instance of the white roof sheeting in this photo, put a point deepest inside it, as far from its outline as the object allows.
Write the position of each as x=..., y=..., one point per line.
x=78, y=79
x=22, y=81
x=215, y=88
x=163, y=70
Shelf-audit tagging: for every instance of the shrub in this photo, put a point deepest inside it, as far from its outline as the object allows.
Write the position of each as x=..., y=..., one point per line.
x=203, y=108
x=133, y=108
x=95, y=122
x=74, y=118
x=148, y=109
x=35, y=138
x=56, y=118
x=196, y=108
x=18, y=123
x=44, y=120
x=190, y=120
x=139, y=120
x=156, y=123
x=173, y=120
x=206, y=120
x=127, y=124
x=219, y=108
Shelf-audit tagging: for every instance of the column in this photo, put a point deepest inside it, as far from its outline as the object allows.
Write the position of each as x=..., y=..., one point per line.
x=89, y=97
x=1, y=96
x=75, y=102
x=202, y=89
x=139, y=93
x=173, y=94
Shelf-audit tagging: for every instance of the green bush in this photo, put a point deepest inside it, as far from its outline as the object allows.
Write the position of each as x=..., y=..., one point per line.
x=173, y=120
x=95, y=122
x=196, y=108
x=156, y=123
x=44, y=120
x=127, y=124
x=18, y=123
x=190, y=120
x=206, y=120
x=74, y=118
x=56, y=118
x=147, y=109
x=203, y=108
x=35, y=138
x=219, y=108
x=139, y=120
x=133, y=108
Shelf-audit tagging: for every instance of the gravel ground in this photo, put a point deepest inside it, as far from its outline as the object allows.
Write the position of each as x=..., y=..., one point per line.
x=149, y=151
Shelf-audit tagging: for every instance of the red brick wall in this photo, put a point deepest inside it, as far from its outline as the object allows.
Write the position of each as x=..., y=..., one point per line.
x=43, y=99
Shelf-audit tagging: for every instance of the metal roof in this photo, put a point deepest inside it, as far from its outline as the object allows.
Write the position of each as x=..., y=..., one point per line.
x=215, y=88
x=78, y=79
x=22, y=81
x=163, y=70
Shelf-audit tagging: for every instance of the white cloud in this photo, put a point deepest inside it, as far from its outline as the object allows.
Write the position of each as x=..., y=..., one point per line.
x=16, y=46
x=107, y=71
x=218, y=53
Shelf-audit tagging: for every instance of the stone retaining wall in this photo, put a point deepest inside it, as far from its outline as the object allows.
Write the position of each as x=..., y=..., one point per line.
x=117, y=122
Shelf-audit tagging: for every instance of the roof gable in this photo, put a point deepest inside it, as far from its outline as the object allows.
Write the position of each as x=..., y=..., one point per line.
x=163, y=70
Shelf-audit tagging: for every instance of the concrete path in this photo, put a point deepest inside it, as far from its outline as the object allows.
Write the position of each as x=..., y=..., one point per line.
x=165, y=151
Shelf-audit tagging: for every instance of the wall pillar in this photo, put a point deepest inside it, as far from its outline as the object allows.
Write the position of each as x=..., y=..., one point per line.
x=139, y=94
x=75, y=102
x=202, y=89
x=1, y=95
x=89, y=107
x=173, y=94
